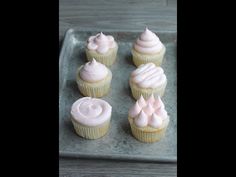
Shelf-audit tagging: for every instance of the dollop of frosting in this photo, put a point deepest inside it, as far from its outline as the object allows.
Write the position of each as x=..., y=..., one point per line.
x=151, y=111
x=134, y=111
x=141, y=120
x=151, y=99
x=141, y=101
x=158, y=103
x=101, y=43
x=148, y=76
x=148, y=43
x=162, y=112
x=93, y=71
x=155, y=121
x=91, y=111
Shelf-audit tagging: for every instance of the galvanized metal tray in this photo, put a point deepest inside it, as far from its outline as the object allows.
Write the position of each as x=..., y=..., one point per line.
x=118, y=143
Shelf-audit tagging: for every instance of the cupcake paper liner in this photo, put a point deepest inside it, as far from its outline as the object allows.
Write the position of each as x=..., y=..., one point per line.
x=91, y=132
x=148, y=134
x=107, y=59
x=96, y=89
x=139, y=58
x=146, y=92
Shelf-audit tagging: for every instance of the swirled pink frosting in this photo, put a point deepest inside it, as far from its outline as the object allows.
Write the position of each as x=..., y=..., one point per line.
x=101, y=43
x=148, y=76
x=91, y=111
x=151, y=113
x=148, y=43
x=93, y=71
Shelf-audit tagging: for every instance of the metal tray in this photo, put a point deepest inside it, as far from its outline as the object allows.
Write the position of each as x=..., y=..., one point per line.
x=118, y=143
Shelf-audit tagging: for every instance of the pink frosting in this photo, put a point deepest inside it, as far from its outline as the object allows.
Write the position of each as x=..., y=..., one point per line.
x=149, y=109
x=141, y=120
x=151, y=99
x=91, y=111
x=101, y=43
x=156, y=121
x=134, y=111
x=148, y=76
x=158, y=103
x=93, y=71
x=148, y=43
x=162, y=112
x=141, y=101
x=152, y=110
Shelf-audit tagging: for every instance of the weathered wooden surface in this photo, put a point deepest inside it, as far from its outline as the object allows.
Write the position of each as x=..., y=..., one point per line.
x=119, y=15
x=128, y=15
x=98, y=168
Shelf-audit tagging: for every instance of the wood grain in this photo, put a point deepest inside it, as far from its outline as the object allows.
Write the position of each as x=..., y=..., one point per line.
x=83, y=167
x=131, y=15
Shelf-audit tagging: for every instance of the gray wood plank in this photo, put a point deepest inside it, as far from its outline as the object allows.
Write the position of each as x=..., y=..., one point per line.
x=172, y=3
x=113, y=2
x=117, y=15
x=83, y=167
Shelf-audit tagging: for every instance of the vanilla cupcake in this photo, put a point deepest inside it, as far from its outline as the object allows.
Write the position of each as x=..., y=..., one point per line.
x=148, y=48
x=94, y=79
x=103, y=48
x=91, y=117
x=148, y=119
x=147, y=79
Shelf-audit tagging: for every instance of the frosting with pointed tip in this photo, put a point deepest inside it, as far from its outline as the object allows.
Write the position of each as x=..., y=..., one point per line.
x=148, y=43
x=155, y=121
x=141, y=120
x=158, y=103
x=152, y=110
x=135, y=110
x=91, y=111
x=161, y=112
x=141, y=102
x=101, y=43
x=151, y=99
x=93, y=71
x=148, y=76
x=149, y=109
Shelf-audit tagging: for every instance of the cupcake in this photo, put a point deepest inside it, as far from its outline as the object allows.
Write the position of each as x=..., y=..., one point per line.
x=147, y=79
x=148, y=119
x=103, y=48
x=94, y=79
x=148, y=48
x=91, y=117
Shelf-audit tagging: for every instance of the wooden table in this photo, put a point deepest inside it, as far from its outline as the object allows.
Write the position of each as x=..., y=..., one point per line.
x=122, y=15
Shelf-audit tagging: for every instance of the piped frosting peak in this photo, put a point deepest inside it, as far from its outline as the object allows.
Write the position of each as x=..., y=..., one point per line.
x=101, y=43
x=151, y=110
x=134, y=111
x=148, y=43
x=141, y=120
x=93, y=71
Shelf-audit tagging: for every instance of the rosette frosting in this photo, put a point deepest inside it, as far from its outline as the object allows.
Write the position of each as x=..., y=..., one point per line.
x=101, y=43
x=91, y=111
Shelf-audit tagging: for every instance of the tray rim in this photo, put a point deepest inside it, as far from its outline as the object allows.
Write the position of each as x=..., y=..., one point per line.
x=116, y=157
x=64, y=154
